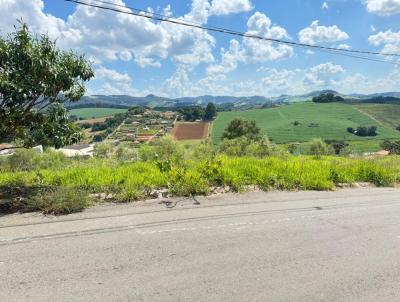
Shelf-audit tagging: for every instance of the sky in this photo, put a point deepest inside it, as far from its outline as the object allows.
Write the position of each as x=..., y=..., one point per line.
x=137, y=56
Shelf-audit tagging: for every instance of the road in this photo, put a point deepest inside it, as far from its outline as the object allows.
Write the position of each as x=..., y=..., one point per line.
x=300, y=246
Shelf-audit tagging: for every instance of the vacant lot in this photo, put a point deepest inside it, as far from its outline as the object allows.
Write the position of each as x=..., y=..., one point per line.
x=328, y=121
x=190, y=131
x=90, y=113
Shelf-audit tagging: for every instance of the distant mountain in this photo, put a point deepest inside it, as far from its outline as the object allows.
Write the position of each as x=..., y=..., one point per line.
x=126, y=101
x=375, y=95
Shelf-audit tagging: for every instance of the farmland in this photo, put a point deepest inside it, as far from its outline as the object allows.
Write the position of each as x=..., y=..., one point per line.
x=191, y=131
x=302, y=122
x=387, y=114
x=90, y=113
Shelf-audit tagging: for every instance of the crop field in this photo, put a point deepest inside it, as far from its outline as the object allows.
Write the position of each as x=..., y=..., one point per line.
x=191, y=131
x=302, y=122
x=387, y=114
x=93, y=113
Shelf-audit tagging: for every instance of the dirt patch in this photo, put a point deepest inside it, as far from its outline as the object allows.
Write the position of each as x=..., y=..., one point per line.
x=190, y=131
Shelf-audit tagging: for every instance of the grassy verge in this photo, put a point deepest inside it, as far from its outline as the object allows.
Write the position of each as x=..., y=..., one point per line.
x=65, y=189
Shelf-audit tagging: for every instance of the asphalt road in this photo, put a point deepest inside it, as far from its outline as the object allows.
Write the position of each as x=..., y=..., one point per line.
x=307, y=246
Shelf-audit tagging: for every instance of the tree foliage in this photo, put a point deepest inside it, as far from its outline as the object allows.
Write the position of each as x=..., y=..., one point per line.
x=36, y=79
x=327, y=98
x=242, y=128
x=211, y=112
x=319, y=147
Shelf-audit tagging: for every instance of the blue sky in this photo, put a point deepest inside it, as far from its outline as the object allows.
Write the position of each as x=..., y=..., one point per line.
x=133, y=55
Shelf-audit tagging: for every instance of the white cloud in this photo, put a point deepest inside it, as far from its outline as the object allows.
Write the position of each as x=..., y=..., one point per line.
x=109, y=81
x=253, y=50
x=325, y=5
x=316, y=33
x=344, y=46
x=383, y=7
x=229, y=59
x=323, y=75
x=259, y=51
x=389, y=39
x=30, y=12
x=226, y=7
x=107, y=36
x=111, y=75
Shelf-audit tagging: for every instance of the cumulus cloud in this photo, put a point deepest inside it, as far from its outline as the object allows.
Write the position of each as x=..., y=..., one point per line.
x=253, y=50
x=323, y=75
x=110, y=81
x=107, y=36
x=383, y=7
x=389, y=39
x=316, y=33
x=226, y=7
x=325, y=5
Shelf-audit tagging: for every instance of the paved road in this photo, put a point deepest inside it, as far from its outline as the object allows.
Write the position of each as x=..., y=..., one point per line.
x=308, y=246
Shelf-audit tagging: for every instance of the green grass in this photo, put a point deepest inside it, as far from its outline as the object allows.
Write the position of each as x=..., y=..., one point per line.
x=327, y=121
x=88, y=113
x=60, y=186
x=387, y=114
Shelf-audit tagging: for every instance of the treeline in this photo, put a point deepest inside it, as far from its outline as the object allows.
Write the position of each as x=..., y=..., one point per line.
x=327, y=98
x=194, y=113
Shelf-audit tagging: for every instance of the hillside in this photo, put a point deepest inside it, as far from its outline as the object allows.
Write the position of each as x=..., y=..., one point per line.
x=328, y=121
x=228, y=102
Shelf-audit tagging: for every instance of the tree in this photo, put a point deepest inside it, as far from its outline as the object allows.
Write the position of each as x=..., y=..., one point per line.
x=211, y=112
x=238, y=128
x=338, y=146
x=327, y=98
x=36, y=79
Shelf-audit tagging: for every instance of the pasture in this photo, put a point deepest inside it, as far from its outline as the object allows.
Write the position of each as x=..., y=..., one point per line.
x=301, y=122
x=387, y=114
x=93, y=113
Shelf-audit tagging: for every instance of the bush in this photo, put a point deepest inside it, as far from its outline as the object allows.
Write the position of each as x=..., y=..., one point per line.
x=126, y=154
x=166, y=148
x=103, y=150
x=29, y=160
x=319, y=147
x=59, y=201
x=392, y=147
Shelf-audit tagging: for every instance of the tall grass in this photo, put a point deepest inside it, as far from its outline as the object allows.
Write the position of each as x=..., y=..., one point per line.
x=133, y=180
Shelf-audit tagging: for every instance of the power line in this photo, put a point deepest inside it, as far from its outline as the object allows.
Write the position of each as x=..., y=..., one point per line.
x=162, y=18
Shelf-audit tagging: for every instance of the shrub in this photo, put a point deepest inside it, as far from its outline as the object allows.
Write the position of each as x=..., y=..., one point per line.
x=126, y=154
x=59, y=201
x=166, y=148
x=392, y=147
x=29, y=160
x=319, y=147
x=103, y=150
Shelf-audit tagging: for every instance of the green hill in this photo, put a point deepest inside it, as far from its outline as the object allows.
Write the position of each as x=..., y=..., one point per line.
x=328, y=121
x=387, y=114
